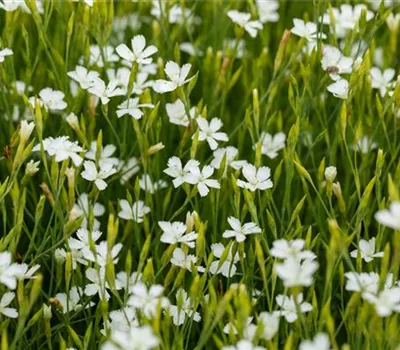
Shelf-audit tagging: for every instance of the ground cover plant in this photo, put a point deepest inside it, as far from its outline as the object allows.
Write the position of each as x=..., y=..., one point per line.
x=199, y=175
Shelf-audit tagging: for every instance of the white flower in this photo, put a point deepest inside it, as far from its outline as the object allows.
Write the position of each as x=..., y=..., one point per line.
x=383, y=81
x=230, y=154
x=97, y=176
x=105, y=156
x=127, y=282
x=177, y=113
x=139, y=52
x=72, y=301
x=257, y=179
x=132, y=107
x=335, y=63
x=288, y=306
x=177, y=76
x=365, y=145
x=249, y=328
x=306, y=30
x=201, y=179
x=346, y=18
x=175, y=232
x=135, y=212
x=271, y=145
x=5, y=301
x=283, y=249
x=83, y=76
x=99, y=89
x=76, y=257
x=84, y=239
x=242, y=19
x=128, y=169
x=82, y=207
x=98, y=283
x=243, y=345
x=268, y=10
x=294, y=272
x=362, y=282
x=339, y=89
x=209, y=132
x=103, y=253
x=227, y=268
x=97, y=53
x=52, y=100
x=320, y=342
x=141, y=83
x=146, y=184
x=393, y=21
x=390, y=217
x=147, y=299
x=185, y=261
x=135, y=338
x=4, y=53
x=26, y=273
x=239, y=231
x=62, y=149
x=366, y=249
x=8, y=271
x=270, y=324
x=386, y=302
x=183, y=309
x=176, y=170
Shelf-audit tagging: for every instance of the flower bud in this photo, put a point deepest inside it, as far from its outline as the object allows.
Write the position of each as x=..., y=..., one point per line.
x=155, y=148
x=47, y=311
x=73, y=121
x=32, y=168
x=358, y=63
x=25, y=131
x=330, y=173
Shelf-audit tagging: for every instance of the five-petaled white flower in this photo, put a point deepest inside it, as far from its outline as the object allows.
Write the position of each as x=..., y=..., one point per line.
x=386, y=301
x=83, y=206
x=307, y=30
x=257, y=179
x=133, y=108
x=209, y=131
x=177, y=113
x=83, y=76
x=105, y=154
x=339, y=89
x=99, y=89
x=243, y=345
x=97, y=176
x=178, y=172
x=62, y=149
x=365, y=144
x=239, y=231
x=335, y=63
x=146, y=299
x=177, y=76
x=272, y=144
x=295, y=272
x=200, y=178
x=183, y=309
x=383, y=81
x=288, y=306
x=270, y=324
x=139, y=53
x=242, y=19
x=390, y=217
x=175, y=232
x=268, y=10
x=185, y=261
x=366, y=249
x=52, y=100
x=135, y=212
x=227, y=267
x=283, y=249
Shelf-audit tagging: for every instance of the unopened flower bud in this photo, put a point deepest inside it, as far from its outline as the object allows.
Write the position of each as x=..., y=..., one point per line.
x=155, y=148
x=73, y=121
x=47, y=311
x=357, y=63
x=330, y=173
x=32, y=167
x=26, y=131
